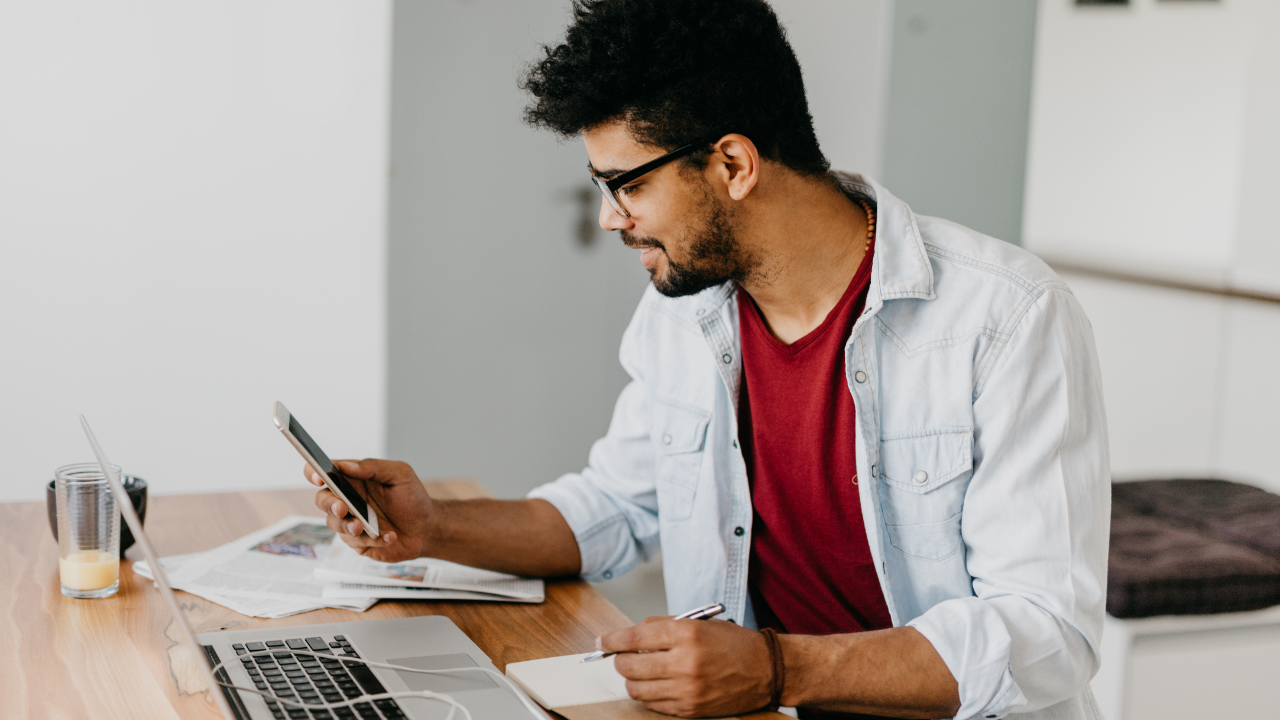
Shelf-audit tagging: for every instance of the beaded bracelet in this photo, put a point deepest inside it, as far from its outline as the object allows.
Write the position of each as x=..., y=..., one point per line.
x=779, y=672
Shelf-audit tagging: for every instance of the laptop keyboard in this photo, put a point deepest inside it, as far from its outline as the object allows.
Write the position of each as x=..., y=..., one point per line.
x=314, y=680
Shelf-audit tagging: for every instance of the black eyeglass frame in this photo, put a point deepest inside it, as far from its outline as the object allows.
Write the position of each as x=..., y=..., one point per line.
x=609, y=187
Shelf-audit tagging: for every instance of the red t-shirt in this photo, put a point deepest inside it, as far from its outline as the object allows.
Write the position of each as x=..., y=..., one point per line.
x=811, y=570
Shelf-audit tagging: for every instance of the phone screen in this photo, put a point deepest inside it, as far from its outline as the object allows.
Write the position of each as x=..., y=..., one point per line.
x=353, y=498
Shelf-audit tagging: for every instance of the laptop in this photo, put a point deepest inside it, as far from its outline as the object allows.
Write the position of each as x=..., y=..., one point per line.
x=319, y=664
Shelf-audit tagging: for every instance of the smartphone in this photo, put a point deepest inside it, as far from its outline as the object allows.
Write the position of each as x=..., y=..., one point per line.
x=337, y=483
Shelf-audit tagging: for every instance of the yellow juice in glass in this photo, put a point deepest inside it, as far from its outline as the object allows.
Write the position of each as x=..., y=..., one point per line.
x=88, y=571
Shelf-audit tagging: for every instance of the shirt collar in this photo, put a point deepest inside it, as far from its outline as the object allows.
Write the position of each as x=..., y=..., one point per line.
x=900, y=267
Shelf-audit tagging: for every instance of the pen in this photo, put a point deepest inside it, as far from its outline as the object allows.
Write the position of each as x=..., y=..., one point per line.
x=702, y=613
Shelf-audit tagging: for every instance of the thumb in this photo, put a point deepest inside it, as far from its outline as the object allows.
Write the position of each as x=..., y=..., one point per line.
x=356, y=469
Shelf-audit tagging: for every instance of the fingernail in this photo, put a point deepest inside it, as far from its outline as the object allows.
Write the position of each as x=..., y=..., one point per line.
x=389, y=538
x=346, y=465
x=353, y=527
x=599, y=645
x=334, y=509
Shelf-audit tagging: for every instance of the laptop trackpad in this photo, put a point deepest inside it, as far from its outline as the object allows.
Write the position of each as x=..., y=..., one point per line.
x=443, y=682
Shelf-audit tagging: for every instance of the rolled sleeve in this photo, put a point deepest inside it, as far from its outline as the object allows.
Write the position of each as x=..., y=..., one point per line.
x=1036, y=522
x=974, y=643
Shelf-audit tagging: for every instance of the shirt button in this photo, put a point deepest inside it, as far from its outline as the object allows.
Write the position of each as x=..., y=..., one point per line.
x=608, y=574
x=727, y=358
x=735, y=443
x=666, y=439
x=922, y=476
x=860, y=376
x=702, y=312
x=739, y=531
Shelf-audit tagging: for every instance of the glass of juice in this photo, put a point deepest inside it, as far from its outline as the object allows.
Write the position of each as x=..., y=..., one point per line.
x=88, y=532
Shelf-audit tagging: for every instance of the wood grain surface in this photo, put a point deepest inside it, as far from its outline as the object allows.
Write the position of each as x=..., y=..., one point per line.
x=119, y=657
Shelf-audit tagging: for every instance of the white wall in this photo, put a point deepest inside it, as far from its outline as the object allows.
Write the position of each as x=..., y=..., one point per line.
x=1152, y=150
x=1136, y=138
x=192, y=202
x=843, y=48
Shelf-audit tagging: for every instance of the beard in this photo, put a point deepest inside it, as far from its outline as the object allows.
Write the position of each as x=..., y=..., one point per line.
x=715, y=254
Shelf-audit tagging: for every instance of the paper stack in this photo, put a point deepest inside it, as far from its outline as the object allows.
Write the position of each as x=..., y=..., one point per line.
x=268, y=573
x=347, y=576
x=295, y=566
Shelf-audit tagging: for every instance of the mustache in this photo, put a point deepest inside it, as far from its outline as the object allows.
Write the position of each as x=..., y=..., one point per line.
x=636, y=243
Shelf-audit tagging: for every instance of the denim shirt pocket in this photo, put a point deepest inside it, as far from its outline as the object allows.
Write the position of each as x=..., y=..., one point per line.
x=679, y=432
x=923, y=477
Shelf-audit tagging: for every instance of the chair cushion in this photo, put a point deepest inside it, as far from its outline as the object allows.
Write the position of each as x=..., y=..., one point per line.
x=1192, y=547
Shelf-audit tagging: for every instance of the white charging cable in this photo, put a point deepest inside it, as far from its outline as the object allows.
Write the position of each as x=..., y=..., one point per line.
x=529, y=705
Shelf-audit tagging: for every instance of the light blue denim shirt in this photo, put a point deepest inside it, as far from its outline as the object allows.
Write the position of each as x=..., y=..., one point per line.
x=979, y=420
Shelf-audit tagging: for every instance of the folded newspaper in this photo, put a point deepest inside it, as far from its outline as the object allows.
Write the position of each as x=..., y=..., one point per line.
x=347, y=574
x=267, y=573
x=295, y=566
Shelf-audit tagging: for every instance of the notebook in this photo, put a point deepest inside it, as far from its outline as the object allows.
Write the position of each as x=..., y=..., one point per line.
x=586, y=691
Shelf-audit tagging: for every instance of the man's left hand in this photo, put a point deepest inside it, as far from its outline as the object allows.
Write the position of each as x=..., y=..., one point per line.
x=693, y=668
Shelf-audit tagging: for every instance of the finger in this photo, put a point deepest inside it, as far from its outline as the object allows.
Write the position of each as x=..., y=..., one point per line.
x=658, y=635
x=368, y=469
x=352, y=533
x=329, y=504
x=656, y=618
x=643, y=666
x=647, y=691
x=311, y=475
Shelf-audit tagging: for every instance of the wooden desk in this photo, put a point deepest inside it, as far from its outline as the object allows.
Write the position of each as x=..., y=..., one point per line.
x=64, y=658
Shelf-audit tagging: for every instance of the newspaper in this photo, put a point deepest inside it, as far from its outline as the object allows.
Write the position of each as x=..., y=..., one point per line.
x=345, y=567
x=341, y=591
x=274, y=563
x=253, y=607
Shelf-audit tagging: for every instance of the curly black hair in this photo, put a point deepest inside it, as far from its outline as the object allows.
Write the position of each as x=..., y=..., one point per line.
x=676, y=71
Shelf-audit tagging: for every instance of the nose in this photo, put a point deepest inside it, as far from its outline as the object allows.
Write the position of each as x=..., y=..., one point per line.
x=611, y=219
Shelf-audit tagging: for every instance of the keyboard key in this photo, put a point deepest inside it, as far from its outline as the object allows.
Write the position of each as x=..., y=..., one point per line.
x=275, y=643
x=296, y=643
x=321, y=715
x=317, y=644
x=368, y=681
x=282, y=656
x=239, y=648
x=340, y=638
x=343, y=713
x=335, y=644
x=255, y=647
x=298, y=714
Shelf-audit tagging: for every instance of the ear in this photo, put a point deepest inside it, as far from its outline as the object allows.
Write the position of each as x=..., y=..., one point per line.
x=735, y=164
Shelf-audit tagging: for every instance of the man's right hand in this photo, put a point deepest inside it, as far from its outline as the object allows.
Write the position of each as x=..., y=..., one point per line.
x=393, y=491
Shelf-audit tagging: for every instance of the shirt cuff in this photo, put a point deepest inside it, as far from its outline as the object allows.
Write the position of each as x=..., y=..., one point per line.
x=974, y=643
x=605, y=540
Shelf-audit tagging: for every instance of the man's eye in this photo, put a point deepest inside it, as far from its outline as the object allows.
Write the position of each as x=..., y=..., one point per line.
x=628, y=189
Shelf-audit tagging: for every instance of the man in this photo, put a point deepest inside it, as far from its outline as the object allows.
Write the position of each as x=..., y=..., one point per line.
x=877, y=437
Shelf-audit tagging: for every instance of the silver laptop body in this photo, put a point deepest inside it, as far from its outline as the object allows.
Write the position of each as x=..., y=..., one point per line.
x=431, y=643
x=428, y=643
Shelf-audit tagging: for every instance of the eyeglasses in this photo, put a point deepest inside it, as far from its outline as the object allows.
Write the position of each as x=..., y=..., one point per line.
x=610, y=187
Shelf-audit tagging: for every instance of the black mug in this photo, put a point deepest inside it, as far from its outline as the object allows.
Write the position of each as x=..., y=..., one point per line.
x=136, y=487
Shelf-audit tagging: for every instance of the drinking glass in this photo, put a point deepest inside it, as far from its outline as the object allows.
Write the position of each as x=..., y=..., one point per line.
x=88, y=532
